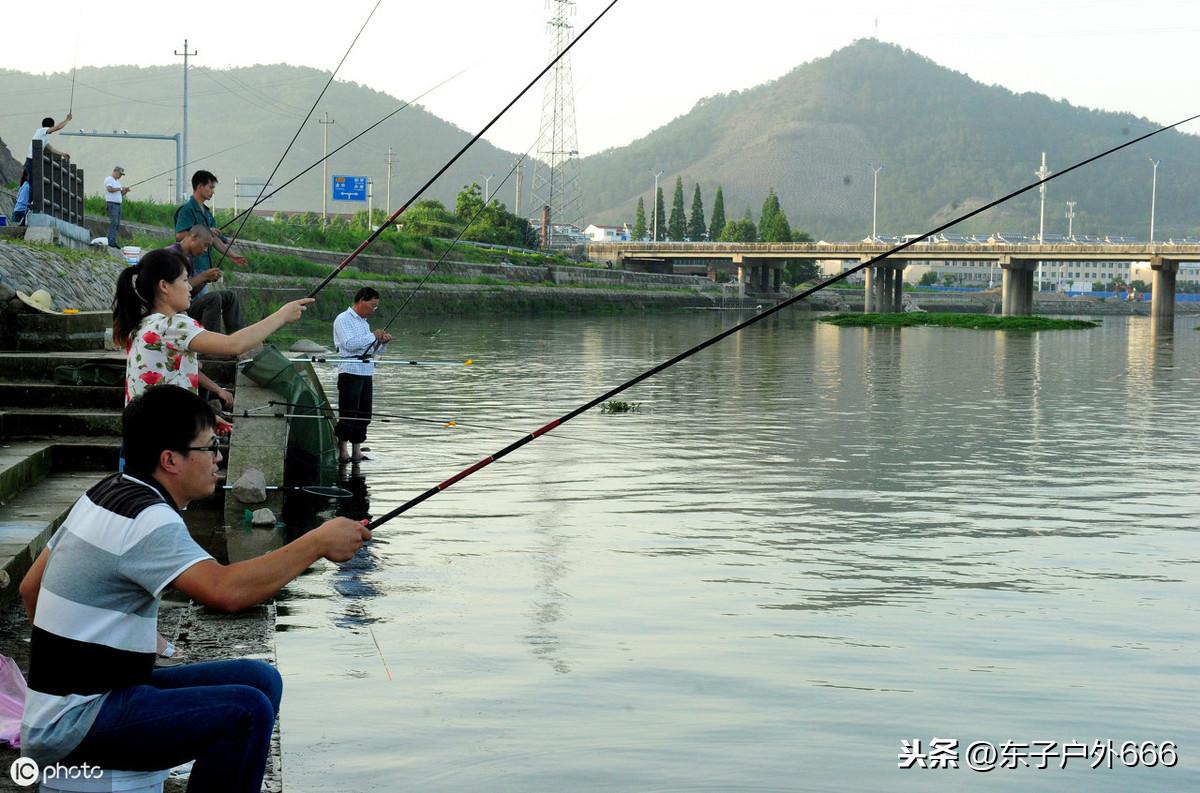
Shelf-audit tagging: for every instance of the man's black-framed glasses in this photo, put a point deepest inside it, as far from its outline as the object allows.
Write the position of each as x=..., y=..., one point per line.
x=213, y=448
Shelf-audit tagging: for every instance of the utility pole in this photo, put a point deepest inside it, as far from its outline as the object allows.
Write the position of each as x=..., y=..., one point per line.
x=1041, y=173
x=170, y=189
x=1071, y=220
x=236, y=190
x=517, y=197
x=1153, y=194
x=654, y=198
x=487, y=182
x=179, y=171
x=325, y=122
x=389, y=186
x=875, y=201
x=370, y=204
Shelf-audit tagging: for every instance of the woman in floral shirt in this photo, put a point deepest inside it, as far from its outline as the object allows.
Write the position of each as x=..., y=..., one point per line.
x=162, y=341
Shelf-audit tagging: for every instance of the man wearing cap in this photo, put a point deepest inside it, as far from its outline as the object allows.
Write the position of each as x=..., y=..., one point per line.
x=113, y=193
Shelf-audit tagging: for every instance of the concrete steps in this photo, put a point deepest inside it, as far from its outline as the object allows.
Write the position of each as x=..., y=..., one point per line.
x=33, y=393
x=29, y=518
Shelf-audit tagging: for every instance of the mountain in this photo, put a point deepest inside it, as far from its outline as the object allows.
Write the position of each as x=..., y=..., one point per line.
x=256, y=110
x=947, y=144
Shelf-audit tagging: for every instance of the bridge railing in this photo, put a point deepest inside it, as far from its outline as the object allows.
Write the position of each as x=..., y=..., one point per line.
x=56, y=186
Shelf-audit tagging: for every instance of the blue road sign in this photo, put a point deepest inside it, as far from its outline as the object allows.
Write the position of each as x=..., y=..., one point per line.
x=349, y=188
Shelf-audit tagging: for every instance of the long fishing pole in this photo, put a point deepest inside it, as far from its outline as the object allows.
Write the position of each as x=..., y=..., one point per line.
x=403, y=105
x=74, y=69
x=486, y=461
x=375, y=234
x=299, y=129
x=385, y=417
x=193, y=162
x=360, y=359
x=374, y=346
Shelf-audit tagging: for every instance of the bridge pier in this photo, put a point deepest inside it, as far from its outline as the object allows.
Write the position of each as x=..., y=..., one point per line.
x=1162, y=298
x=1017, y=288
x=898, y=288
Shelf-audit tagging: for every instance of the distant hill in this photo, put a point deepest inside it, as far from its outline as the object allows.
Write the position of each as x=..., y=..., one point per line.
x=258, y=107
x=947, y=143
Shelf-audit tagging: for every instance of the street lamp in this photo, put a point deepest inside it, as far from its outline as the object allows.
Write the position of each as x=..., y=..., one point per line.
x=1071, y=220
x=654, y=235
x=487, y=180
x=1041, y=173
x=874, y=200
x=1153, y=193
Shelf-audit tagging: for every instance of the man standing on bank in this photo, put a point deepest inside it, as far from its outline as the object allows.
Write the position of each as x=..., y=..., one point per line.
x=114, y=193
x=353, y=338
x=43, y=133
x=93, y=596
x=195, y=210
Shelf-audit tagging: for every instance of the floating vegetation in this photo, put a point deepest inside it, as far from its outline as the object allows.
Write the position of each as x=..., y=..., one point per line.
x=619, y=406
x=969, y=321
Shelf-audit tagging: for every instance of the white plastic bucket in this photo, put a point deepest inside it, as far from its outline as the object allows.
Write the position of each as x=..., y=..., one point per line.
x=105, y=781
x=131, y=253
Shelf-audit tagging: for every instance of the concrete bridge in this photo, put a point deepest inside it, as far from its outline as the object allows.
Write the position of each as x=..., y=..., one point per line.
x=759, y=265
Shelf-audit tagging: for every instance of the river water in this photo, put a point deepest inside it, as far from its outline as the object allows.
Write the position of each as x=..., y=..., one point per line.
x=808, y=545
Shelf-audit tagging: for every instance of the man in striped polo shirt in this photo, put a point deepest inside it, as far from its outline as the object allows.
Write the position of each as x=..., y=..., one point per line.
x=94, y=694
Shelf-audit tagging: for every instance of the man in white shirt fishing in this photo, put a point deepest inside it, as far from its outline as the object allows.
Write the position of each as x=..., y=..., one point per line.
x=353, y=338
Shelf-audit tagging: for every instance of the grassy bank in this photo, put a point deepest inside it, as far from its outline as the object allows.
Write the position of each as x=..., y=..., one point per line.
x=968, y=321
x=304, y=230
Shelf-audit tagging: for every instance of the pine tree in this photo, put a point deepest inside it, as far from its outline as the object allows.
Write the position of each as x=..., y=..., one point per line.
x=677, y=225
x=639, y=220
x=717, y=224
x=749, y=232
x=695, y=228
x=660, y=217
x=773, y=224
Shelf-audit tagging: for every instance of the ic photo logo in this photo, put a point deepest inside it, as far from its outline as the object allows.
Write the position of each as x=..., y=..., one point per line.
x=24, y=771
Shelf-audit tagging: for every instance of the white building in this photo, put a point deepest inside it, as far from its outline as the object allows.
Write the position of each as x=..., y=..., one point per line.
x=607, y=233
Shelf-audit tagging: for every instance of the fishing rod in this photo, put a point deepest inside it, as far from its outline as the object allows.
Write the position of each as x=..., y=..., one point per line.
x=74, y=69
x=563, y=419
x=186, y=164
x=362, y=359
x=374, y=346
x=387, y=116
x=312, y=490
x=391, y=220
x=299, y=129
x=386, y=417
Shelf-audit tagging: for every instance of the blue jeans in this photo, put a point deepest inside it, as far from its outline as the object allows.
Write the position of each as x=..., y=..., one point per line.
x=219, y=714
x=114, y=222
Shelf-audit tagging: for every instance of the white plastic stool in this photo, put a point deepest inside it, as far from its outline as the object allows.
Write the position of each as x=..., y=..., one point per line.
x=123, y=781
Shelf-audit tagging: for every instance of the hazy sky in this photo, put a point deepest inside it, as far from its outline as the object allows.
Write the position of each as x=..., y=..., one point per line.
x=648, y=61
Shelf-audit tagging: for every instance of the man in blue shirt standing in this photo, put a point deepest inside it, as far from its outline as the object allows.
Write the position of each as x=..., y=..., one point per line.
x=353, y=338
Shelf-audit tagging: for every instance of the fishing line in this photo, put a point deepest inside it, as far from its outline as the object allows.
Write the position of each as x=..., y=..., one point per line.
x=403, y=105
x=299, y=129
x=372, y=348
x=486, y=461
x=383, y=227
x=385, y=417
x=381, y=658
x=193, y=162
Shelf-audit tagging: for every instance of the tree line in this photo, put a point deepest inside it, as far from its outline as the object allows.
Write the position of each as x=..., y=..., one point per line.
x=772, y=226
